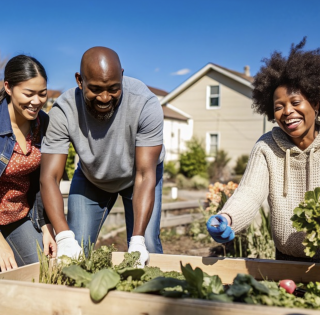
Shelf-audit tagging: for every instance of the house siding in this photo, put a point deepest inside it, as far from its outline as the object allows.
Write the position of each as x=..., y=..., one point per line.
x=235, y=122
x=175, y=135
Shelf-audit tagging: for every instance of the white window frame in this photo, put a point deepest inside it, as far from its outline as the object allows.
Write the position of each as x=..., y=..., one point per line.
x=208, y=141
x=213, y=95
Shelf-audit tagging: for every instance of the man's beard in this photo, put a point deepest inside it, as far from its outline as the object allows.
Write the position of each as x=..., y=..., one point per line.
x=101, y=116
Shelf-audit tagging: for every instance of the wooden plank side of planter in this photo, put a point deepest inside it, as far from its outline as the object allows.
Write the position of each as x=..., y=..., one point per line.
x=17, y=297
x=35, y=298
x=28, y=273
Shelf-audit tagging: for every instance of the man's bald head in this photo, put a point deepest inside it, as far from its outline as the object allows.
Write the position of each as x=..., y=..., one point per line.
x=99, y=60
x=100, y=80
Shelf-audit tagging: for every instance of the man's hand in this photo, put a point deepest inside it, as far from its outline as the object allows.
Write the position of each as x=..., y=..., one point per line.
x=67, y=245
x=137, y=245
x=7, y=261
x=49, y=244
x=219, y=229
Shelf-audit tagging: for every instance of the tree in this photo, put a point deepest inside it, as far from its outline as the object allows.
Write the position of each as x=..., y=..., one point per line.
x=70, y=161
x=241, y=164
x=216, y=168
x=193, y=161
x=3, y=62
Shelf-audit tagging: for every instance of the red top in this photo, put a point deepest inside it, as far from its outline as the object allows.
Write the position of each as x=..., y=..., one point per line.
x=15, y=182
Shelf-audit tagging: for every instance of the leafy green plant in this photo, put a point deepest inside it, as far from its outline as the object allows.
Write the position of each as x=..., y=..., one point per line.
x=241, y=164
x=182, y=182
x=306, y=219
x=259, y=239
x=70, y=161
x=193, y=161
x=216, y=168
x=102, y=282
x=199, y=182
x=171, y=169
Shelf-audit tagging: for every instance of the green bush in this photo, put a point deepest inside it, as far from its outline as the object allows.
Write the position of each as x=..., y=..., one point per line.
x=171, y=169
x=193, y=161
x=216, y=168
x=70, y=161
x=198, y=182
x=183, y=182
x=241, y=164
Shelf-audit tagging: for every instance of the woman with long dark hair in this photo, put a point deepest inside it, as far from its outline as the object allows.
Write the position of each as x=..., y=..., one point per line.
x=23, y=222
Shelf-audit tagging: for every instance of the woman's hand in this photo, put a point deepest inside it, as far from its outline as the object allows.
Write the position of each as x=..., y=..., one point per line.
x=49, y=244
x=7, y=261
x=219, y=228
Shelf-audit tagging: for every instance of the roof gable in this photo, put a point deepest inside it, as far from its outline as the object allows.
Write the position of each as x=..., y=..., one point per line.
x=237, y=76
x=158, y=92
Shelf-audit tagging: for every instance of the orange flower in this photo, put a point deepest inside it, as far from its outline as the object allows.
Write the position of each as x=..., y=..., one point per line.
x=214, y=194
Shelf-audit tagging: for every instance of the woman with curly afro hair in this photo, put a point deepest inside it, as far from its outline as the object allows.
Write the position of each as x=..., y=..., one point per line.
x=285, y=162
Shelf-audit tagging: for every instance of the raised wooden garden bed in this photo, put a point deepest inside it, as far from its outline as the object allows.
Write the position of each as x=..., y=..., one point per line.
x=19, y=295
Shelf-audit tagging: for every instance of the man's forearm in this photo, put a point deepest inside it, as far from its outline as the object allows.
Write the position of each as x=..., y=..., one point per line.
x=53, y=203
x=143, y=201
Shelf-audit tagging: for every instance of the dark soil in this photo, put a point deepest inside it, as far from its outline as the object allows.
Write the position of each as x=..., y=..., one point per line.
x=173, y=245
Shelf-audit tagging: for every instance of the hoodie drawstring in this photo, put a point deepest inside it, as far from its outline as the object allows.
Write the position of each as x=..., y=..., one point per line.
x=287, y=172
x=310, y=181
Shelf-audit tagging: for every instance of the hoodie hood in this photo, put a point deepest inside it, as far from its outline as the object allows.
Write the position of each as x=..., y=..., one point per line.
x=291, y=151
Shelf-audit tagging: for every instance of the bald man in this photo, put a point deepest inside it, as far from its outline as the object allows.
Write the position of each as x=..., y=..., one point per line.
x=115, y=124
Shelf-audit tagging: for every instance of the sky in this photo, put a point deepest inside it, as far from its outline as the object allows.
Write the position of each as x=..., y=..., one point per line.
x=161, y=43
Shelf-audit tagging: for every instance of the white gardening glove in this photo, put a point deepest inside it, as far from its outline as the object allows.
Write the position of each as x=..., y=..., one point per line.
x=67, y=245
x=137, y=245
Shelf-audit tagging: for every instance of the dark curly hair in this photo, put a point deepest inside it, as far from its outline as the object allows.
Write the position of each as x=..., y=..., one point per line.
x=299, y=72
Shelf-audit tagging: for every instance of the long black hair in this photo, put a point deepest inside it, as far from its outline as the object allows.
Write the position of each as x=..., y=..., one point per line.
x=21, y=68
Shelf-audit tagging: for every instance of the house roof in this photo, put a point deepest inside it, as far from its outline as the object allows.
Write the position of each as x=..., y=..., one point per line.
x=53, y=93
x=172, y=114
x=237, y=76
x=240, y=74
x=158, y=92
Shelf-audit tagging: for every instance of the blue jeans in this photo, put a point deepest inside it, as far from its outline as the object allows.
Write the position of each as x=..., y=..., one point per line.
x=89, y=206
x=22, y=236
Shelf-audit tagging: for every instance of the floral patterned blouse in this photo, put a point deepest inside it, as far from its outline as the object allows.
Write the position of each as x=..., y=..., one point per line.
x=15, y=182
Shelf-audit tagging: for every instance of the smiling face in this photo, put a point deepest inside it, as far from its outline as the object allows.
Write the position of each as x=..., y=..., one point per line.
x=101, y=85
x=27, y=97
x=295, y=115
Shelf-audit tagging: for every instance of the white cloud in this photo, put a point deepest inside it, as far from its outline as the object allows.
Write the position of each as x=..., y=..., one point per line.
x=181, y=72
x=156, y=69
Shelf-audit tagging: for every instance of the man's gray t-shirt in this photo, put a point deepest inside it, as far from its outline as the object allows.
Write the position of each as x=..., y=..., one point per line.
x=106, y=149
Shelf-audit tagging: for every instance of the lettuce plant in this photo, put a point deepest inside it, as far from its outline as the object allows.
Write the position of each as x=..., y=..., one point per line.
x=306, y=219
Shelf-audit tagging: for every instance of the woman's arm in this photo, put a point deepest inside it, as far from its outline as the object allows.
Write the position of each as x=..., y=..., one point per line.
x=253, y=189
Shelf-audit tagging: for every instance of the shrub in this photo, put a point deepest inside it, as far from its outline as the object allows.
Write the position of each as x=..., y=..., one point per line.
x=216, y=168
x=70, y=161
x=241, y=164
x=183, y=182
x=198, y=182
x=171, y=169
x=193, y=161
